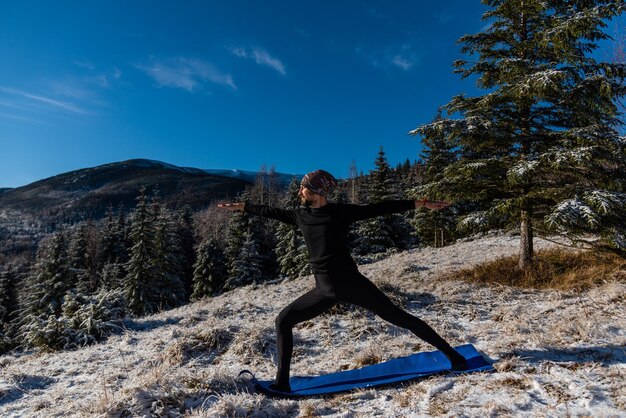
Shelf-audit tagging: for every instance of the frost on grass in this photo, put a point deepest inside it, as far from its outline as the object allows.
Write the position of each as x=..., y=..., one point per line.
x=555, y=353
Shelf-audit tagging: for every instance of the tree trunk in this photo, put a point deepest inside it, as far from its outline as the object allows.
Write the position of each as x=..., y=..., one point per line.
x=526, y=240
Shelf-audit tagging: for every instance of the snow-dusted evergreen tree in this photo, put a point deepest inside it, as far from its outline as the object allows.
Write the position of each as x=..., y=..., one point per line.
x=375, y=235
x=83, y=253
x=112, y=276
x=236, y=235
x=48, y=283
x=539, y=147
x=8, y=307
x=84, y=320
x=185, y=233
x=209, y=274
x=114, y=250
x=139, y=285
x=619, y=56
x=291, y=251
x=51, y=277
x=434, y=227
x=77, y=256
x=246, y=268
x=113, y=237
x=341, y=193
x=404, y=173
x=168, y=261
x=8, y=295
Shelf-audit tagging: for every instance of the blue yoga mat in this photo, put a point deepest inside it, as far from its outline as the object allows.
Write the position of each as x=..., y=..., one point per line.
x=395, y=370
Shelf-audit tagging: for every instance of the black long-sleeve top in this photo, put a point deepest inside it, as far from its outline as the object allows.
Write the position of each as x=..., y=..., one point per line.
x=325, y=229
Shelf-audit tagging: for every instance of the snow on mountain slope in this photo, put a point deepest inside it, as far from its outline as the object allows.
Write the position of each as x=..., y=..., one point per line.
x=556, y=353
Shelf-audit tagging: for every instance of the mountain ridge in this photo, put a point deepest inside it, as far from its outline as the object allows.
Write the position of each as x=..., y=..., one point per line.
x=87, y=192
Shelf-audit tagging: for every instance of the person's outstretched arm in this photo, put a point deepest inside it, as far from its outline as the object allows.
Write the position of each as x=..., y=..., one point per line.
x=360, y=212
x=282, y=215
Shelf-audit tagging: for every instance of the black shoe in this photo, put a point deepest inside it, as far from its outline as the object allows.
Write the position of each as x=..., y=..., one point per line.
x=459, y=365
x=280, y=387
x=457, y=361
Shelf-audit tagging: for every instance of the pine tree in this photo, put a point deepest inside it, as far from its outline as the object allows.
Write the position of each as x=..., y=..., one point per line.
x=434, y=227
x=340, y=194
x=112, y=276
x=8, y=295
x=209, y=274
x=246, y=268
x=8, y=307
x=83, y=253
x=167, y=263
x=113, y=238
x=375, y=235
x=236, y=235
x=140, y=279
x=47, y=285
x=539, y=147
x=51, y=278
x=291, y=251
x=114, y=250
x=619, y=56
x=77, y=257
x=185, y=233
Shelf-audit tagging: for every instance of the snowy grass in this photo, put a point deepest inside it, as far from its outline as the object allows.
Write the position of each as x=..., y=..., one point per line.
x=556, y=352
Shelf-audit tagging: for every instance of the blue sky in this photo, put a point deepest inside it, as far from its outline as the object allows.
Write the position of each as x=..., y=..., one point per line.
x=229, y=84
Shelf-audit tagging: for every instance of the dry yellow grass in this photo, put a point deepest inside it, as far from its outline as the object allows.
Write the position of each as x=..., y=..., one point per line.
x=368, y=358
x=551, y=269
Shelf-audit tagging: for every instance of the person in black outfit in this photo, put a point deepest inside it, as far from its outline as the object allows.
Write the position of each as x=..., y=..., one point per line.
x=325, y=228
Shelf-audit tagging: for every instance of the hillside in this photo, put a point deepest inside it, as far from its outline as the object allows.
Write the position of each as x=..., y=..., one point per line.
x=556, y=353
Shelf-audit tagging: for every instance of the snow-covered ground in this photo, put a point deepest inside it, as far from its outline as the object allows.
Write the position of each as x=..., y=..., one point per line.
x=556, y=353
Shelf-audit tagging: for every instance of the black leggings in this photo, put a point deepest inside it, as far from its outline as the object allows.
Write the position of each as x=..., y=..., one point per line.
x=352, y=288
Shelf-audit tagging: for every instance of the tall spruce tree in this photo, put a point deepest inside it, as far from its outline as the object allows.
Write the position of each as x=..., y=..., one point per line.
x=83, y=254
x=51, y=278
x=168, y=260
x=434, y=227
x=246, y=268
x=539, y=148
x=8, y=307
x=113, y=237
x=236, y=235
x=376, y=235
x=186, y=239
x=114, y=250
x=291, y=251
x=139, y=290
x=209, y=274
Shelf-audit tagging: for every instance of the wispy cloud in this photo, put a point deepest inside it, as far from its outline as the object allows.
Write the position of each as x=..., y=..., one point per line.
x=25, y=97
x=402, y=62
x=261, y=57
x=403, y=56
x=85, y=64
x=187, y=74
x=25, y=119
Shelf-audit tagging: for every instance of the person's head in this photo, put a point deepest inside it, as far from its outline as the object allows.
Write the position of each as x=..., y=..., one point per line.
x=315, y=188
